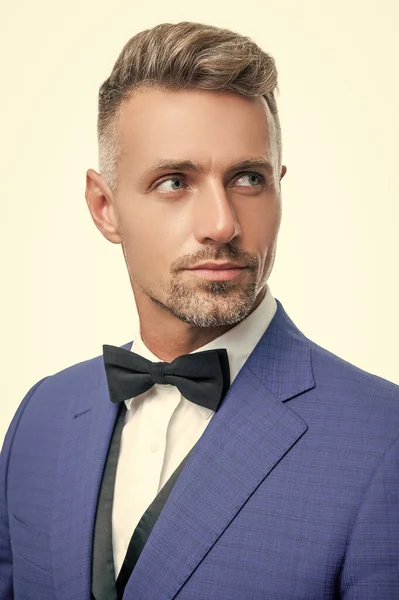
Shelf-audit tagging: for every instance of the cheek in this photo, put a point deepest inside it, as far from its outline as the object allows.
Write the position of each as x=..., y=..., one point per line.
x=148, y=246
x=261, y=224
x=156, y=223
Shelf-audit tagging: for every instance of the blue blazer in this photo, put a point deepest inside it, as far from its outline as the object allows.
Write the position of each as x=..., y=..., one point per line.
x=291, y=493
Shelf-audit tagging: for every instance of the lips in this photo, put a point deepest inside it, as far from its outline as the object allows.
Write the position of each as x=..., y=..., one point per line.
x=216, y=267
x=217, y=271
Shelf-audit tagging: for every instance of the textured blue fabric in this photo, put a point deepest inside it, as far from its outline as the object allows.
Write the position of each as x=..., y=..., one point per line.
x=291, y=493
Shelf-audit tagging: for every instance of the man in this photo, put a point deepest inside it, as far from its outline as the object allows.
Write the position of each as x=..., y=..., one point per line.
x=221, y=454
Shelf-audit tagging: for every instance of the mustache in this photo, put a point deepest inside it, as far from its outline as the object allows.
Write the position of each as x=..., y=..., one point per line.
x=226, y=252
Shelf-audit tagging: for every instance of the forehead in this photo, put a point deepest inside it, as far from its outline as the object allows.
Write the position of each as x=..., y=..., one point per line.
x=205, y=126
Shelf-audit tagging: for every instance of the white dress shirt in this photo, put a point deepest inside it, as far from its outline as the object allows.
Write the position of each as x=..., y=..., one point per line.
x=161, y=427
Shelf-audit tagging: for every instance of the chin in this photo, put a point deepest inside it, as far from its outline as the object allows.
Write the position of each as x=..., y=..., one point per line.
x=219, y=311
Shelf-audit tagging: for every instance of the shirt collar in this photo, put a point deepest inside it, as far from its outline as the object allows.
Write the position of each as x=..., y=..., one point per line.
x=239, y=341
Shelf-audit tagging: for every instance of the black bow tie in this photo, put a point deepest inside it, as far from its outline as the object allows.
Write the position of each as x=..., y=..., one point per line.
x=202, y=377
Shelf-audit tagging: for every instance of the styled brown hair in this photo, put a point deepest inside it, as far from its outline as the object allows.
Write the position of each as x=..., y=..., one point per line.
x=180, y=56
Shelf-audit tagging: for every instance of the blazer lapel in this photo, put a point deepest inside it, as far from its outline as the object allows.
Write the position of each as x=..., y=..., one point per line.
x=80, y=467
x=246, y=438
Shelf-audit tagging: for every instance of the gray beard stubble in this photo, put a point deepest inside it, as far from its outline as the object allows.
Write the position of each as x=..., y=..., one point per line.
x=194, y=309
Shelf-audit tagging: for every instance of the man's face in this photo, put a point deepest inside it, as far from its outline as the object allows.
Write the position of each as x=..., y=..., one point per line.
x=172, y=217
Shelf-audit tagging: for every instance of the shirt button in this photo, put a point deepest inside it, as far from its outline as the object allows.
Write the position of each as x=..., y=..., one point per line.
x=153, y=447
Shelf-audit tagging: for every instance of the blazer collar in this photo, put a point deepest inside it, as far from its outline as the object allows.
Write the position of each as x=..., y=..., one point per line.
x=282, y=358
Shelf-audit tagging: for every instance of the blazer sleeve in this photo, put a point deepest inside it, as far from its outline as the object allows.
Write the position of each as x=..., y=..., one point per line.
x=6, y=586
x=371, y=566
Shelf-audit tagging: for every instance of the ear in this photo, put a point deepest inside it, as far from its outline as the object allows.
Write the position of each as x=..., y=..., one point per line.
x=100, y=202
x=283, y=171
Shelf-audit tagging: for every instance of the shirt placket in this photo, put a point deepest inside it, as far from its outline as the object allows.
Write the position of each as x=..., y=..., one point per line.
x=155, y=419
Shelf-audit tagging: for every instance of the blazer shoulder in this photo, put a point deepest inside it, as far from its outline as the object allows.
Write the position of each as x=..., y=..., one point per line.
x=326, y=365
x=56, y=395
x=334, y=378
x=330, y=362
x=78, y=378
x=352, y=383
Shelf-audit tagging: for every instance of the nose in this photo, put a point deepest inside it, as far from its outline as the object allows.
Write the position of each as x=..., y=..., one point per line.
x=215, y=217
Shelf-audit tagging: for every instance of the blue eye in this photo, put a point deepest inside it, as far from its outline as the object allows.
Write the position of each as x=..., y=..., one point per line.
x=173, y=180
x=255, y=179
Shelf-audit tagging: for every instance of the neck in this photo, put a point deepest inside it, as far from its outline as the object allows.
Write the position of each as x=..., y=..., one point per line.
x=168, y=337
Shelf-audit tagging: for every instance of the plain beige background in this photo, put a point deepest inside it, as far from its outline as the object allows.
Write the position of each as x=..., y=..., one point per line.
x=65, y=290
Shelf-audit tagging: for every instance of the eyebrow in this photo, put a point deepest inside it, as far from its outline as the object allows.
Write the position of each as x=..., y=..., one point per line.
x=188, y=165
